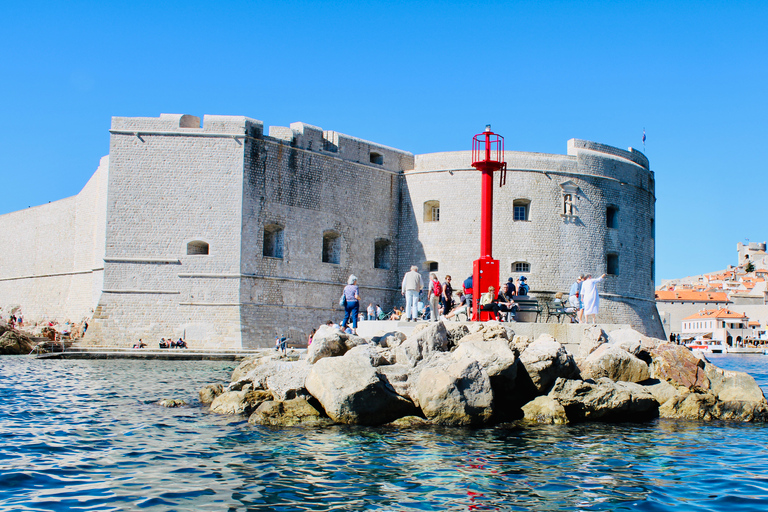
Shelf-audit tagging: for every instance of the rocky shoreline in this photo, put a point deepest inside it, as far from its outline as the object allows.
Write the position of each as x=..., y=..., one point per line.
x=482, y=374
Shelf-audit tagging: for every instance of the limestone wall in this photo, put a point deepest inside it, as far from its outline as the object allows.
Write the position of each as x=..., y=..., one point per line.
x=557, y=247
x=54, y=267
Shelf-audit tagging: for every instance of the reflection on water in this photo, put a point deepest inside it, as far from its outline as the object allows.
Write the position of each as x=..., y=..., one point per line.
x=87, y=435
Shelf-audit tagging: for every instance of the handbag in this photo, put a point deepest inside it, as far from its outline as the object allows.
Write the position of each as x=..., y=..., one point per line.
x=343, y=300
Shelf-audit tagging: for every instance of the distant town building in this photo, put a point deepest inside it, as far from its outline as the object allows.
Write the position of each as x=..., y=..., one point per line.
x=722, y=324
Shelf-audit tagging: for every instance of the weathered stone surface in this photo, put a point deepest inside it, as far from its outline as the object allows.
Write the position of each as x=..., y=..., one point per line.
x=327, y=342
x=171, y=402
x=520, y=343
x=249, y=363
x=627, y=339
x=429, y=341
x=287, y=379
x=377, y=355
x=610, y=361
x=545, y=409
x=288, y=413
x=409, y=422
x=604, y=400
x=390, y=339
x=455, y=333
x=239, y=402
x=15, y=343
x=678, y=365
x=498, y=361
x=351, y=391
x=397, y=376
x=663, y=391
x=209, y=392
x=351, y=341
x=545, y=360
x=487, y=332
x=591, y=338
x=454, y=392
x=733, y=386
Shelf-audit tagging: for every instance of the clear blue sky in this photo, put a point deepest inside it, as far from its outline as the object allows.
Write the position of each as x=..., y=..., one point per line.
x=422, y=77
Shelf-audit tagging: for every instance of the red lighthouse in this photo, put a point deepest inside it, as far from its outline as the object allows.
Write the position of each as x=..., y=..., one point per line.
x=487, y=157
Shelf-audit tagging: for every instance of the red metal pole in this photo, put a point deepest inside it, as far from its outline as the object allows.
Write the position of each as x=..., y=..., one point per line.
x=486, y=211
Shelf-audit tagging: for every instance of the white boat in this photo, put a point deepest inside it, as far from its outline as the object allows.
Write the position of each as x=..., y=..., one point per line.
x=707, y=346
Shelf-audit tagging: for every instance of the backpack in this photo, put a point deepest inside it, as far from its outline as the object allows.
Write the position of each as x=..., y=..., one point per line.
x=437, y=288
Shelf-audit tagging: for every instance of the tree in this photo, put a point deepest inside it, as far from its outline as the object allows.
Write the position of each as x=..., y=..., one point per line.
x=749, y=267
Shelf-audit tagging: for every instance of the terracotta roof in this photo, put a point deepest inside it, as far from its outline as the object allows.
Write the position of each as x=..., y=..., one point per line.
x=715, y=313
x=691, y=296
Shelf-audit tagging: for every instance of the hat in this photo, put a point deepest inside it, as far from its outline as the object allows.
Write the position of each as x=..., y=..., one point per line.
x=521, y=278
x=511, y=280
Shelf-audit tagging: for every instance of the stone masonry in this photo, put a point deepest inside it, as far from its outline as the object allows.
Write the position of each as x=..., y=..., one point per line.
x=227, y=236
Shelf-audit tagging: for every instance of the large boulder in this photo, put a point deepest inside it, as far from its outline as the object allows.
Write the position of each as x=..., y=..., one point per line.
x=287, y=378
x=706, y=406
x=677, y=365
x=498, y=361
x=604, y=400
x=259, y=374
x=209, y=392
x=249, y=363
x=351, y=391
x=729, y=385
x=545, y=409
x=454, y=392
x=389, y=339
x=616, y=364
x=297, y=411
x=456, y=333
x=591, y=337
x=239, y=402
x=397, y=376
x=487, y=332
x=327, y=342
x=429, y=341
x=14, y=343
x=663, y=391
x=545, y=360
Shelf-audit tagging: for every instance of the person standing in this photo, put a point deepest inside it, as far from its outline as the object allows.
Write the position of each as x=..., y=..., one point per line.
x=435, y=292
x=447, y=298
x=352, y=303
x=411, y=287
x=589, y=296
x=574, y=297
x=522, y=287
x=371, y=312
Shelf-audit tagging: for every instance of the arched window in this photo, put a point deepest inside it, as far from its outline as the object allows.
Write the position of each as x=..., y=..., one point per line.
x=521, y=266
x=382, y=253
x=197, y=247
x=273, y=241
x=520, y=209
x=612, y=217
x=377, y=158
x=331, y=247
x=612, y=264
x=432, y=211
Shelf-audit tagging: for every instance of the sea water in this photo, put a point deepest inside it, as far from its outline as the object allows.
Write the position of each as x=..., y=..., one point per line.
x=89, y=435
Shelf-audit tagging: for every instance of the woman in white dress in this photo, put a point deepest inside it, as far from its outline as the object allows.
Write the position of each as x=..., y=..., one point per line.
x=590, y=298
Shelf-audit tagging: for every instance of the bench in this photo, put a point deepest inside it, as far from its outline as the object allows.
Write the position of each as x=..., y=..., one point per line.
x=529, y=309
x=559, y=311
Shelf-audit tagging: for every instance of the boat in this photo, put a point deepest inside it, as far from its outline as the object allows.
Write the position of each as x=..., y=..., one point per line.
x=707, y=346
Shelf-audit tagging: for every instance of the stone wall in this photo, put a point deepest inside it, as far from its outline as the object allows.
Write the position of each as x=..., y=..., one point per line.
x=53, y=267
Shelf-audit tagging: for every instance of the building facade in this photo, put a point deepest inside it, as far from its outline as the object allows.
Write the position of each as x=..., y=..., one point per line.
x=228, y=236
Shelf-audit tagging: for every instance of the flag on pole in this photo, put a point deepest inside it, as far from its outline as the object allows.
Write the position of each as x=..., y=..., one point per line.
x=643, y=135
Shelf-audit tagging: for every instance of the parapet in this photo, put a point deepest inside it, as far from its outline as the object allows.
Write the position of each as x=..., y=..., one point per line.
x=313, y=138
x=633, y=155
x=189, y=124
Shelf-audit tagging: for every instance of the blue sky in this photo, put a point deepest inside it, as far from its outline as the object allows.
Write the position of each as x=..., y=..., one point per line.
x=423, y=77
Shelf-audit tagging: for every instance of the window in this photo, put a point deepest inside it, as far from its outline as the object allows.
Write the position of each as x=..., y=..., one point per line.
x=432, y=211
x=197, y=247
x=612, y=217
x=520, y=209
x=521, y=266
x=377, y=158
x=331, y=247
x=431, y=266
x=273, y=241
x=612, y=262
x=381, y=254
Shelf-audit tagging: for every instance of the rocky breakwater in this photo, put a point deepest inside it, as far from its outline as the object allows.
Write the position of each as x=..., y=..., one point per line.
x=474, y=375
x=13, y=342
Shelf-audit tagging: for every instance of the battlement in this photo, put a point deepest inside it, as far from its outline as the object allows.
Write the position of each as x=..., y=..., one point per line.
x=314, y=138
x=633, y=155
x=173, y=124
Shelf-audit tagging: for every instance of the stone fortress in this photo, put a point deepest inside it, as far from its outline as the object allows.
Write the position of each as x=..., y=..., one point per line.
x=227, y=236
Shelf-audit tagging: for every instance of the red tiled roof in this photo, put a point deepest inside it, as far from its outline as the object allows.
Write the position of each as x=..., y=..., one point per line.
x=715, y=313
x=691, y=296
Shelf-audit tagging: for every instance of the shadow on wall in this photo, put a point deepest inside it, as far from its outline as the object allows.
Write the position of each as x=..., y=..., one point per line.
x=410, y=250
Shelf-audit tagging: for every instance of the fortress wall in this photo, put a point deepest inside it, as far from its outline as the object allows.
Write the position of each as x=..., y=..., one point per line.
x=309, y=194
x=557, y=248
x=56, y=262
x=172, y=183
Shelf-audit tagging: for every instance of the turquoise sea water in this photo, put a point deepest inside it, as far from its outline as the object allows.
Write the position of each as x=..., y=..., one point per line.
x=87, y=435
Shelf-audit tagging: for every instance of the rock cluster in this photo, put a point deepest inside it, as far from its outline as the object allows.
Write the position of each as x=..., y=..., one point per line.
x=13, y=342
x=475, y=374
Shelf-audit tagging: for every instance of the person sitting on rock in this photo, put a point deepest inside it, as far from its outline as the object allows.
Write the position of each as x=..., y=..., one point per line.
x=164, y=343
x=140, y=344
x=181, y=343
